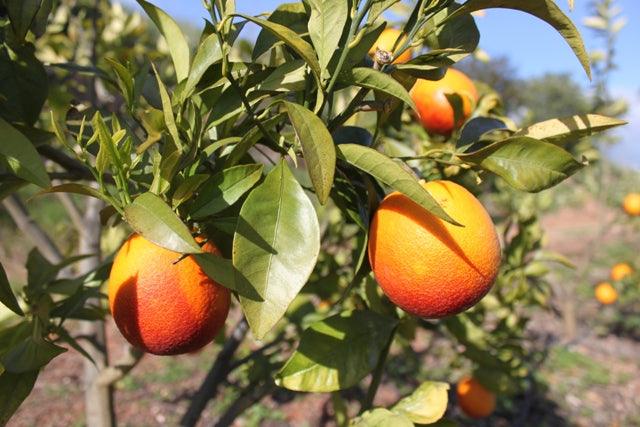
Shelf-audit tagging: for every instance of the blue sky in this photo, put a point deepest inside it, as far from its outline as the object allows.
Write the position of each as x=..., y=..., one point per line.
x=533, y=47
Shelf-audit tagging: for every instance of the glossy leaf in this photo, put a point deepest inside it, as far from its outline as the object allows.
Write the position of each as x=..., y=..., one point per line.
x=223, y=272
x=151, y=217
x=225, y=188
x=561, y=130
x=21, y=157
x=426, y=405
x=72, y=187
x=23, y=84
x=167, y=110
x=293, y=40
x=6, y=294
x=546, y=10
x=275, y=246
x=14, y=389
x=187, y=188
x=208, y=53
x=379, y=81
x=456, y=38
x=177, y=42
x=391, y=174
x=381, y=417
x=527, y=164
x=21, y=15
x=474, y=129
x=317, y=148
x=326, y=24
x=29, y=355
x=290, y=15
x=337, y=352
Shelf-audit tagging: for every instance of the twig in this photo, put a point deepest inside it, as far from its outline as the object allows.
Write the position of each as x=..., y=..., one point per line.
x=72, y=211
x=250, y=395
x=215, y=376
x=377, y=375
x=110, y=374
x=20, y=215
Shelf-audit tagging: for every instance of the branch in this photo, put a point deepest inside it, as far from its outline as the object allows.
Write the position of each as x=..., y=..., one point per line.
x=215, y=376
x=20, y=215
x=250, y=395
x=111, y=374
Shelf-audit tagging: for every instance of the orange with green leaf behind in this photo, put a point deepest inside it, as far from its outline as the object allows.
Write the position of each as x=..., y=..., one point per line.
x=606, y=294
x=389, y=39
x=475, y=400
x=429, y=267
x=631, y=204
x=620, y=271
x=435, y=111
x=161, y=303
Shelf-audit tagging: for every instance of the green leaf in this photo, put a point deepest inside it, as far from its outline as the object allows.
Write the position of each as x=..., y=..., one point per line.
x=178, y=46
x=6, y=294
x=326, y=24
x=290, y=15
x=150, y=216
x=23, y=84
x=275, y=246
x=426, y=405
x=223, y=272
x=561, y=130
x=29, y=355
x=21, y=14
x=546, y=10
x=125, y=81
x=21, y=157
x=167, y=110
x=527, y=164
x=337, y=352
x=474, y=129
x=378, y=7
x=14, y=389
x=393, y=175
x=455, y=39
x=108, y=153
x=208, y=53
x=294, y=41
x=380, y=417
x=225, y=188
x=187, y=188
x=75, y=188
x=377, y=80
x=317, y=148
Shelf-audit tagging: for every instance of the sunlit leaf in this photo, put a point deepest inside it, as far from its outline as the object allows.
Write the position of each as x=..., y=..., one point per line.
x=426, y=405
x=21, y=157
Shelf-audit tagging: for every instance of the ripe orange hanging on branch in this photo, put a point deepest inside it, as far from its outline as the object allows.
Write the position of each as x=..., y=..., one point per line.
x=435, y=111
x=475, y=400
x=161, y=303
x=620, y=271
x=606, y=294
x=631, y=204
x=429, y=267
x=389, y=39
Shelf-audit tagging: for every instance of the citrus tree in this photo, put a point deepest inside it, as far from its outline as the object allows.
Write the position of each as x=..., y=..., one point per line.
x=253, y=178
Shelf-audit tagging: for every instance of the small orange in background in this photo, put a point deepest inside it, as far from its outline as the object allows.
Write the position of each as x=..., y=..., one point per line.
x=620, y=271
x=631, y=204
x=161, y=303
x=435, y=111
x=426, y=266
x=475, y=400
x=387, y=40
x=606, y=294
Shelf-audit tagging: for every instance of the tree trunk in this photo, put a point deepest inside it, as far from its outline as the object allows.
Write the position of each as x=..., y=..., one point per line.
x=98, y=398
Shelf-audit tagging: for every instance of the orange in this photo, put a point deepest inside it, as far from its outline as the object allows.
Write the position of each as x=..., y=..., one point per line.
x=435, y=112
x=429, y=267
x=620, y=271
x=164, y=304
x=387, y=40
x=475, y=400
x=606, y=294
x=631, y=204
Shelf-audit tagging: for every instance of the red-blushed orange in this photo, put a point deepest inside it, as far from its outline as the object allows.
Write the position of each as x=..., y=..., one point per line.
x=429, y=267
x=475, y=400
x=435, y=111
x=387, y=40
x=163, y=304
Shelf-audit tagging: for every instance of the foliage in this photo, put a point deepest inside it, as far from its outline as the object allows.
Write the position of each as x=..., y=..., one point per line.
x=273, y=155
